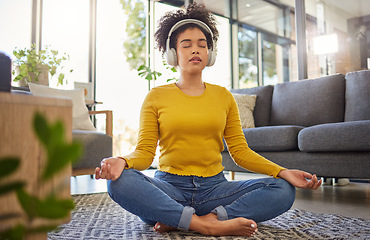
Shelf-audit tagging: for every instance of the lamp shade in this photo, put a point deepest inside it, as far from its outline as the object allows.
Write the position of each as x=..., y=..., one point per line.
x=325, y=44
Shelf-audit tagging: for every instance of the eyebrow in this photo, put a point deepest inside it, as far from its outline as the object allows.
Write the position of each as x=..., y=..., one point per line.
x=188, y=40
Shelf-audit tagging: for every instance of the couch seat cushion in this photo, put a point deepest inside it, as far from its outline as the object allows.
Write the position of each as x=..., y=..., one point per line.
x=273, y=138
x=96, y=146
x=334, y=137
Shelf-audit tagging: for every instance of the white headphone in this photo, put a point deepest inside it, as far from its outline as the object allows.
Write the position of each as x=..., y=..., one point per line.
x=171, y=55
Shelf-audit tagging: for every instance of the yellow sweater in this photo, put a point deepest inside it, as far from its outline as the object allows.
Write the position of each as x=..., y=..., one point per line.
x=190, y=131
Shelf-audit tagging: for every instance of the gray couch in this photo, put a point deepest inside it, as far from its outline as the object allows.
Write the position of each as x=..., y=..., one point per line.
x=320, y=125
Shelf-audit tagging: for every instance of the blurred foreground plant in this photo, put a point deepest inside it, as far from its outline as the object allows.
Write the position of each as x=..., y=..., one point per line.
x=58, y=154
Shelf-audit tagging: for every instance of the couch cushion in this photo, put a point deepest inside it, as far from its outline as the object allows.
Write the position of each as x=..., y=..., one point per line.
x=274, y=138
x=246, y=104
x=80, y=114
x=334, y=137
x=96, y=146
x=357, y=96
x=309, y=102
x=262, y=109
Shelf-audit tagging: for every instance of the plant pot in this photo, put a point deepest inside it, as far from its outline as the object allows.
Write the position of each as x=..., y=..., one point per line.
x=43, y=78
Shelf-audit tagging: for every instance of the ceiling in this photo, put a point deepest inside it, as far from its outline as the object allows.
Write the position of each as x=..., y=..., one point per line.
x=265, y=15
x=352, y=8
x=356, y=8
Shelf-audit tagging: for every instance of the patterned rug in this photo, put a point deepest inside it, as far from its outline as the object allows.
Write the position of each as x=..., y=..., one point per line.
x=97, y=216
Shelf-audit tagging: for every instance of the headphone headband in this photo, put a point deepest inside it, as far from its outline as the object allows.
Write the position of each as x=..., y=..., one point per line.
x=187, y=21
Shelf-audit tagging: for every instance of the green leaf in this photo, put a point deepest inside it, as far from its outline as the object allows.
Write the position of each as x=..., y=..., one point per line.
x=60, y=78
x=41, y=128
x=17, y=78
x=53, y=70
x=9, y=187
x=149, y=77
x=171, y=79
x=29, y=203
x=59, y=157
x=8, y=165
x=59, y=153
x=142, y=67
x=51, y=207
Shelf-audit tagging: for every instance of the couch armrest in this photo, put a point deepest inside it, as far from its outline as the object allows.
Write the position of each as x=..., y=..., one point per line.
x=108, y=120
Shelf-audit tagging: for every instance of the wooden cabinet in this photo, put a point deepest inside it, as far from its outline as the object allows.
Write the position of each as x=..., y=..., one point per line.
x=17, y=139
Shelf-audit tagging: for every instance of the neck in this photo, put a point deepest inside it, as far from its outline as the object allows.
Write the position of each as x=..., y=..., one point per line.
x=190, y=80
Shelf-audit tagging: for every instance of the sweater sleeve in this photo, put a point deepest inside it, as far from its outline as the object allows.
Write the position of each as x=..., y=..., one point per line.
x=145, y=150
x=238, y=147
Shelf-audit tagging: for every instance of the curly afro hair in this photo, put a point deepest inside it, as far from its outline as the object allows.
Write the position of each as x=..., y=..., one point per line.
x=193, y=11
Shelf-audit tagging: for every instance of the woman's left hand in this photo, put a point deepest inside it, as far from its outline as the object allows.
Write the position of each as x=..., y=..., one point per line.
x=299, y=178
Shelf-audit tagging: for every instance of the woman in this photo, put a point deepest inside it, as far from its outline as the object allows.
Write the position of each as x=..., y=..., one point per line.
x=189, y=119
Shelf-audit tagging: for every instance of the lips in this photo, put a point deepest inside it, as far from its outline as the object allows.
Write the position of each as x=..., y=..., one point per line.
x=195, y=59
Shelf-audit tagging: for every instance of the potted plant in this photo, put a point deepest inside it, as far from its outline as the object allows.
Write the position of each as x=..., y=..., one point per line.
x=35, y=66
x=146, y=73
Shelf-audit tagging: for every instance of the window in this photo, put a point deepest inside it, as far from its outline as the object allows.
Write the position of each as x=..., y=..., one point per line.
x=248, y=61
x=65, y=27
x=157, y=62
x=265, y=16
x=118, y=85
x=14, y=32
x=220, y=72
x=265, y=43
x=338, y=36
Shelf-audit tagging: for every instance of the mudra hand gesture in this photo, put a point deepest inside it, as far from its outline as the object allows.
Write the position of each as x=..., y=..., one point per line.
x=110, y=168
x=299, y=179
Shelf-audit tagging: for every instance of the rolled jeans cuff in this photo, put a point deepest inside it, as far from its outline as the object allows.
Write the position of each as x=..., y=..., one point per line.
x=185, y=218
x=221, y=213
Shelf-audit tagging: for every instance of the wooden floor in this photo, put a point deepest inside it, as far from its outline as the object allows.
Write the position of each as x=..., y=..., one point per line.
x=352, y=200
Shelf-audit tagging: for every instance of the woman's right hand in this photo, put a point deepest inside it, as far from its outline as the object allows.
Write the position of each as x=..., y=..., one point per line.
x=110, y=168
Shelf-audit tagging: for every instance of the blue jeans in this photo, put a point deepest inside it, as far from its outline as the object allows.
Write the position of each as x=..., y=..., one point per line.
x=172, y=199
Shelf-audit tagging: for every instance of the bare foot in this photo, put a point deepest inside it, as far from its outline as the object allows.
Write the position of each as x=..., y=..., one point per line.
x=209, y=217
x=162, y=228
x=233, y=227
x=210, y=225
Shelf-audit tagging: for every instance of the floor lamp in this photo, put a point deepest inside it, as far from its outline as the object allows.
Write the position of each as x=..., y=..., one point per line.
x=325, y=45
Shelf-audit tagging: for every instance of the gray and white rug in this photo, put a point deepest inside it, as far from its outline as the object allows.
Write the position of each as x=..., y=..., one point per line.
x=97, y=216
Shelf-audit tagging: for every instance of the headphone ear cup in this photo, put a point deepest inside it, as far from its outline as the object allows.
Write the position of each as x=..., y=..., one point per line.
x=211, y=58
x=171, y=57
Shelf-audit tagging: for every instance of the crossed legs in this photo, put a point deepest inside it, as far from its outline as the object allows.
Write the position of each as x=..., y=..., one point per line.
x=220, y=213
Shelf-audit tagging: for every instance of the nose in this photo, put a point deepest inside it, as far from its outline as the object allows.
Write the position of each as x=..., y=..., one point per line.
x=195, y=49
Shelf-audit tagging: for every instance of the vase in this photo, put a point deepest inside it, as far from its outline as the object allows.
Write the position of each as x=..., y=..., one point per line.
x=43, y=78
